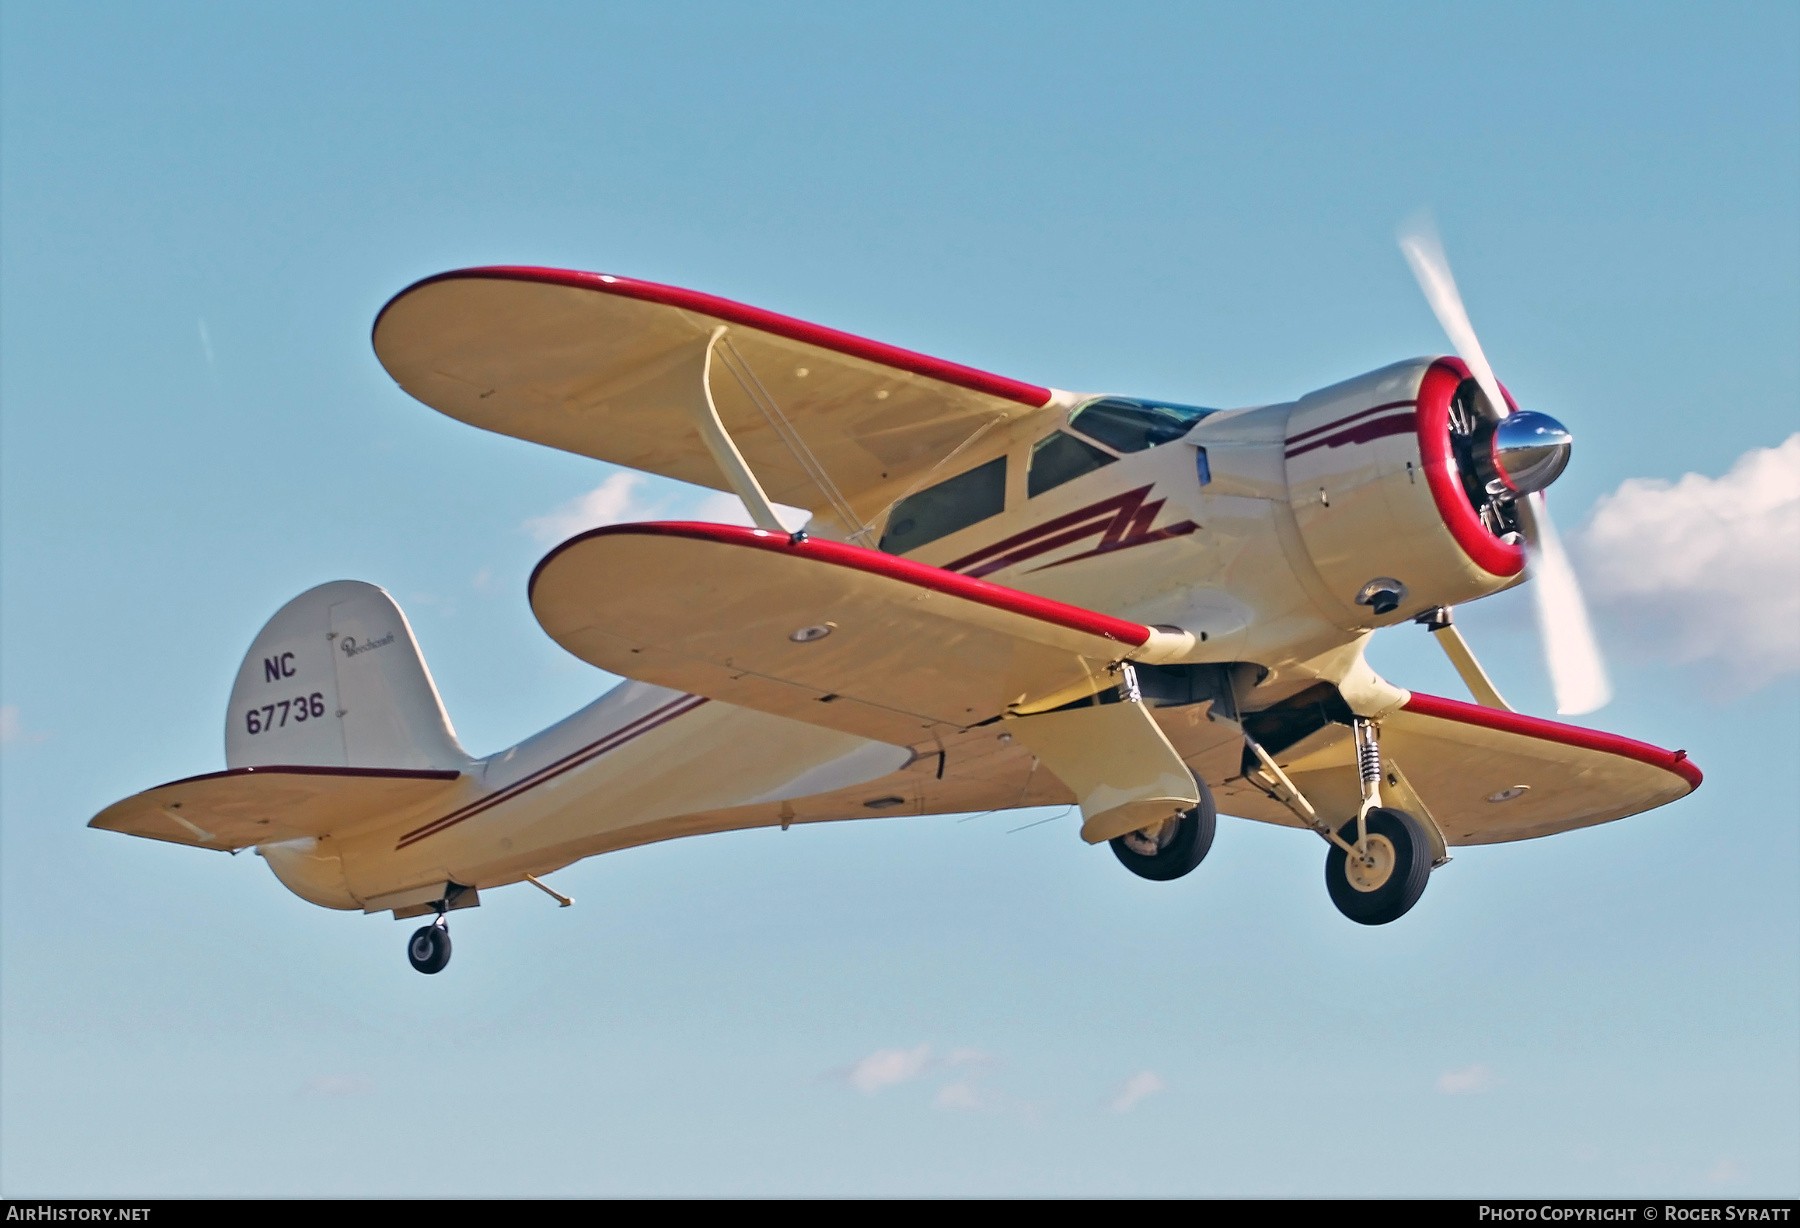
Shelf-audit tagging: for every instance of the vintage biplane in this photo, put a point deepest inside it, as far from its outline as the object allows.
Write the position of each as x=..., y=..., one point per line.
x=1006, y=596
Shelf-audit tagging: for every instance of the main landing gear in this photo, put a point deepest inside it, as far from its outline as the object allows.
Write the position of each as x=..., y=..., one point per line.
x=1379, y=862
x=428, y=950
x=1173, y=847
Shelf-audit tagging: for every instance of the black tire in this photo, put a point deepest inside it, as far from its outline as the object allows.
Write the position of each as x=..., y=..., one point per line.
x=1392, y=897
x=1179, y=848
x=428, y=950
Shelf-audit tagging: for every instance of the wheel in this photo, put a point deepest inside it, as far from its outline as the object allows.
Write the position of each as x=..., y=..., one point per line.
x=1176, y=847
x=1377, y=893
x=429, y=949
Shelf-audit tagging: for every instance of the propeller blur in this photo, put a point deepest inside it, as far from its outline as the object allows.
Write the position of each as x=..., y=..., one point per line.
x=1525, y=452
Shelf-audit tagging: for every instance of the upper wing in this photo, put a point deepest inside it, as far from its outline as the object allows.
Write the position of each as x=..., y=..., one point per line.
x=605, y=366
x=261, y=805
x=823, y=632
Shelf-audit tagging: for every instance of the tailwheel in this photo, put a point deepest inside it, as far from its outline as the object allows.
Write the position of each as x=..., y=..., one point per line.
x=429, y=948
x=1173, y=847
x=1389, y=877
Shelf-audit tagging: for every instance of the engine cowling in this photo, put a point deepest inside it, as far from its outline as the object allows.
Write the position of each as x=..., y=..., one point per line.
x=1404, y=484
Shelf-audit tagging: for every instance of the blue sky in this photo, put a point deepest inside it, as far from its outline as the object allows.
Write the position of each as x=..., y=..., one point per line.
x=205, y=205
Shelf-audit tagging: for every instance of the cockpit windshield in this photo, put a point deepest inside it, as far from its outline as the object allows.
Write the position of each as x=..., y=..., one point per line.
x=1126, y=424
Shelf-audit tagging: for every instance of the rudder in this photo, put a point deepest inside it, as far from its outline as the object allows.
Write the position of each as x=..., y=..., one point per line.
x=335, y=679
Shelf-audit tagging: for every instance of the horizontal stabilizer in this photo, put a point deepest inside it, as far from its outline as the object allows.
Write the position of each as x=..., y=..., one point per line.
x=823, y=632
x=262, y=805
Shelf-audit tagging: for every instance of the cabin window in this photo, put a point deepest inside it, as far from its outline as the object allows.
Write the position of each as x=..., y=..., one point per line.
x=938, y=511
x=1128, y=425
x=1060, y=458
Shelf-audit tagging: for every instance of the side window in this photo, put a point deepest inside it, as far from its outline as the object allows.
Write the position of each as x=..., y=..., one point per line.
x=938, y=511
x=1060, y=458
x=1127, y=425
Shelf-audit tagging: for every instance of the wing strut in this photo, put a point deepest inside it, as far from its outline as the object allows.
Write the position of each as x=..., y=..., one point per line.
x=1443, y=629
x=725, y=452
x=745, y=375
x=1273, y=781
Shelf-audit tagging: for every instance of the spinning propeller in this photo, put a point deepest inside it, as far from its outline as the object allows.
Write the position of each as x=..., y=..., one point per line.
x=1520, y=453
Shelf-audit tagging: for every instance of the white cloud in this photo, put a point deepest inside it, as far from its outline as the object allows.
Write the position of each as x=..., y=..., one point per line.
x=12, y=727
x=1704, y=570
x=967, y=1094
x=1143, y=1083
x=1726, y=1170
x=614, y=500
x=721, y=508
x=961, y=1095
x=630, y=496
x=1467, y=1081
x=885, y=1068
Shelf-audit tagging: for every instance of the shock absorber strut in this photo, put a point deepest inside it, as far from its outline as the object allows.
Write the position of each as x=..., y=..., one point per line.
x=1368, y=756
x=1368, y=768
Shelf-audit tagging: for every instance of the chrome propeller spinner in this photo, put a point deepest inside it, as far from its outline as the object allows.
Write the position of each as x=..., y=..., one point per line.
x=1522, y=453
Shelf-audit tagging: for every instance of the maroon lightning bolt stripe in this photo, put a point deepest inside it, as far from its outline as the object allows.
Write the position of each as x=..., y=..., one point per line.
x=1121, y=522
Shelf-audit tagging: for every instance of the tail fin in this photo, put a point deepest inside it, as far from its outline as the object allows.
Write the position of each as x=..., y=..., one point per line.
x=335, y=679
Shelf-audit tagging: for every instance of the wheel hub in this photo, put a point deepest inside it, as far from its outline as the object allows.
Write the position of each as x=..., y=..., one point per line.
x=1371, y=870
x=1149, y=841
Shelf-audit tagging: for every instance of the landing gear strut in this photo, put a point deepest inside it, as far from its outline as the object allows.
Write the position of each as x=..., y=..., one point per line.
x=428, y=950
x=1379, y=862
